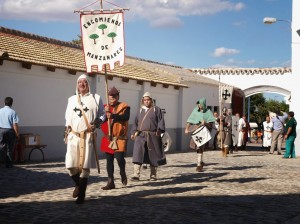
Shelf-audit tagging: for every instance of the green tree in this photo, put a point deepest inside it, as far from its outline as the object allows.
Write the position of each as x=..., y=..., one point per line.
x=112, y=35
x=94, y=37
x=260, y=107
x=102, y=27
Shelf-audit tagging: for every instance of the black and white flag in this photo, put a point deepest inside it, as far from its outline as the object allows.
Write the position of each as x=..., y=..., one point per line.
x=226, y=94
x=201, y=136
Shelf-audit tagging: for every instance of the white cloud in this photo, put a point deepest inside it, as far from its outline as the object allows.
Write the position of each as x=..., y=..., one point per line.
x=167, y=11
x=232, y=63
x=171, y=22
x=222, y=51
x=223, y=66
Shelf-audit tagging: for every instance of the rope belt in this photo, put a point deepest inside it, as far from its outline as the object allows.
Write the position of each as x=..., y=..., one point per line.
x=118, y=137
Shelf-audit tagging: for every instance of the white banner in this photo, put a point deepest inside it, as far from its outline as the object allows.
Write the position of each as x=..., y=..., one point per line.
x=103, y=40
x=226, y=94
x=201, y=136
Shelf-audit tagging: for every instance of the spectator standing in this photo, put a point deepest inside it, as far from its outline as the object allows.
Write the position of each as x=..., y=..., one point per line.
x=267, y=133
x=290, y=136
x=9, y=130
x=278, y=129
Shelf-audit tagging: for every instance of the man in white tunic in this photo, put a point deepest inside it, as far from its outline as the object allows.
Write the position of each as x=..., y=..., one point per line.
x=267, y=137
x=242, y=129
x=84, y=112
x=235, y=132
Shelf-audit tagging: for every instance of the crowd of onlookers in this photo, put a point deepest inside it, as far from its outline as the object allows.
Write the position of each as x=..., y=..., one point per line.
x=276, y=132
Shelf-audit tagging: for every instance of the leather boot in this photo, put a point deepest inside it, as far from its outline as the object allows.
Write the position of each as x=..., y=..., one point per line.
x=76, y=181
x=82, y=188
x=223, y=151
x=153, y=171
x=110, y=184
x=136, y=172
x=226, y=151
x=124, y=179
x=200, y=168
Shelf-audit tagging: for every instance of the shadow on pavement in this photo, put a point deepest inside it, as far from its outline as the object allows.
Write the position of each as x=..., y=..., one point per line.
x=147, y=207
x=36, y=181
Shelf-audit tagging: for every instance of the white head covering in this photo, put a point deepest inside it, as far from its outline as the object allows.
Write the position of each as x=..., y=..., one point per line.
x=83, y=76
x=147, y=94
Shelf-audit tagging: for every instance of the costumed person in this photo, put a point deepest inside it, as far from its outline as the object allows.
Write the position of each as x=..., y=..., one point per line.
x=290, y=136
x=267, y=133
x=84, y=112
x=114, y=146
x=246, y=131
x=235, y=132
x=214, y=132
x=242, y=128
x=227, y=126
x=202, y=118
x=9, y=130
x=146, y=133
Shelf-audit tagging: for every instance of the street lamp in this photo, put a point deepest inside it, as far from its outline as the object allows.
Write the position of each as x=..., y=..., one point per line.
x=270, y=20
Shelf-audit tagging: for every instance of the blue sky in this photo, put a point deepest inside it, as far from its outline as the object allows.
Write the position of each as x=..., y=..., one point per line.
x=187, y=33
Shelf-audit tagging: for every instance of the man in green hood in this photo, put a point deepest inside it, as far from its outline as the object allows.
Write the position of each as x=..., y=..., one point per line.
x=200, y=116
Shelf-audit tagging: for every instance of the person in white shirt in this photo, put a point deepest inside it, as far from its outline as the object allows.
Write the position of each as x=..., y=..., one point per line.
x=267, y=133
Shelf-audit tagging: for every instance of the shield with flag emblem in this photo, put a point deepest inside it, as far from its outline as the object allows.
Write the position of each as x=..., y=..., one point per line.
x=201, y=136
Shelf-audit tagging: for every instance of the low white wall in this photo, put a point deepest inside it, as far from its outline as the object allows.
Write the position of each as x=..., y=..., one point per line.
x=40, y=99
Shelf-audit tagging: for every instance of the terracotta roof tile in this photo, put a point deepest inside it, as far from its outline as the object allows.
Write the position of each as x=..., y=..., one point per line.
x=30, y=48
x=242, y=71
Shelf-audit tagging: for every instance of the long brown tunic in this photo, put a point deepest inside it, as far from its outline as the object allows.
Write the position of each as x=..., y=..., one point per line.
x=148, y=146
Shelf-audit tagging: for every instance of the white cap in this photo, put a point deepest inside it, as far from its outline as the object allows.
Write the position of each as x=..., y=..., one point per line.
x=147, y=94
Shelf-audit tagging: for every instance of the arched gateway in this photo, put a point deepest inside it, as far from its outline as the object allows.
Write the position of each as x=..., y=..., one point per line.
x=253, y=80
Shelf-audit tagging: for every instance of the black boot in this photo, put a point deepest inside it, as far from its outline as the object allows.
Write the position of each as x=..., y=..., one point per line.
x=124, y=179
x=76, y=189
x=110, y=184
x=82, y=189
x=8, y=162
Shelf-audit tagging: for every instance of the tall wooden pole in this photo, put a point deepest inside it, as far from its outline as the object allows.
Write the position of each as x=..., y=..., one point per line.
x=220, y=115
x=106, y=89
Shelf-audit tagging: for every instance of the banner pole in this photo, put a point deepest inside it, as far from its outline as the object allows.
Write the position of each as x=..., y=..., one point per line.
x=106, y=89
x=221, y=116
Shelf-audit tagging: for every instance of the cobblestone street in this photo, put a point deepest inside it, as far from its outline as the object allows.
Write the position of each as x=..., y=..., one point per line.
x=246, y=187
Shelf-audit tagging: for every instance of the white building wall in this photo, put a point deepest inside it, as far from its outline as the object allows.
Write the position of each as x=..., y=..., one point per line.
x=131, y=93
x=40, y=99
x=295, y=79
x=189, y=98
x=37, y=93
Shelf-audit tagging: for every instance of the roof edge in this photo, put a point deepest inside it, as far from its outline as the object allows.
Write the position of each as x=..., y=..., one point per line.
x=38, y=37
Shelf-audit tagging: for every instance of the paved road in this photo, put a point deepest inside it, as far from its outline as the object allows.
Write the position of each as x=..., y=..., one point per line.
x=247, y=187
